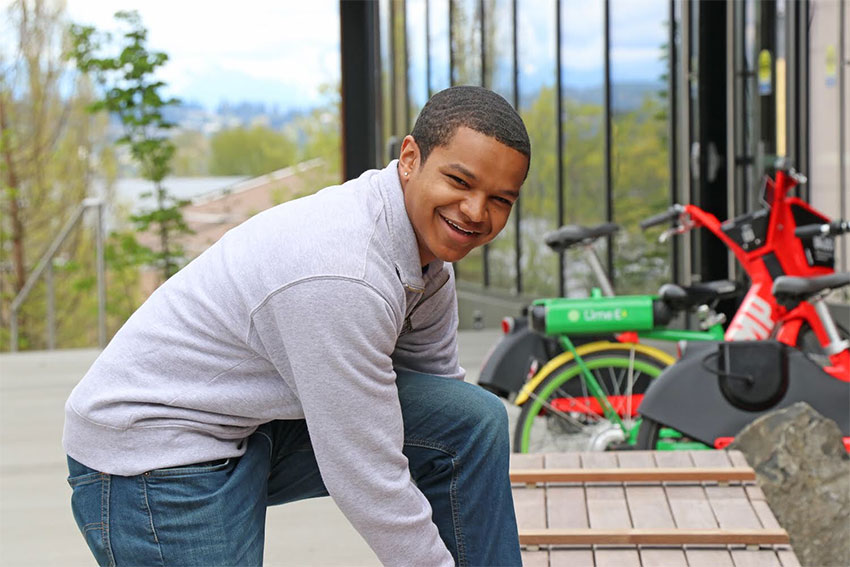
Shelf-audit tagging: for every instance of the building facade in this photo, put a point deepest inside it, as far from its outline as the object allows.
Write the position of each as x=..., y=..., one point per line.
x=631, y=105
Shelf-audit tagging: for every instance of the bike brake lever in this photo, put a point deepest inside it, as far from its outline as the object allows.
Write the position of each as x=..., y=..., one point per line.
x=684, y=226
x=797, y=176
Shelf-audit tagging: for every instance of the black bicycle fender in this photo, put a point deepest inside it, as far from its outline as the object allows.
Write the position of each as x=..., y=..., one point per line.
x=687, y=397
x=506, y=368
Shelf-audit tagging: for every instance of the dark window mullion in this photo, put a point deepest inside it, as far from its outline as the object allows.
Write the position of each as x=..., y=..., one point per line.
x=392, y=78
x=429, y=87
x=562, y=284
x=485, y=253
x=408, y=126
x=517, y=208
x=673, y=124
x=451, y=43
x=609, y=197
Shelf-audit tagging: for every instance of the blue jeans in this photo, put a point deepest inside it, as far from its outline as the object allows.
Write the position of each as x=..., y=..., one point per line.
x=456, y=443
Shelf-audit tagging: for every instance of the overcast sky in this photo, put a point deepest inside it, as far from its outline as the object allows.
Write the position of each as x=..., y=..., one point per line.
x=278, y=52
x=281, y=52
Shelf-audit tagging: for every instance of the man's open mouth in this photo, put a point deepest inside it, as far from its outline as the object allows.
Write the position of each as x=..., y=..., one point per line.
x=459, y=229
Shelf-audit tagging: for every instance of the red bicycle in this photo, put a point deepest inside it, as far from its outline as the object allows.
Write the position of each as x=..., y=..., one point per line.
x=765, y=244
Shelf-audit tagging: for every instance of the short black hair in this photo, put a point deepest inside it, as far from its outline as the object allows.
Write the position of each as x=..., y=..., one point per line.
x=476, y=108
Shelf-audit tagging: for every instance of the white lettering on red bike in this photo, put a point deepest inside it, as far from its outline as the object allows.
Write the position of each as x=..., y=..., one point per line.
x=753, y=321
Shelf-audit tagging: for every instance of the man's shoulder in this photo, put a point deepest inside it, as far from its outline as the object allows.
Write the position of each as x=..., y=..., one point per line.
x=340, y=230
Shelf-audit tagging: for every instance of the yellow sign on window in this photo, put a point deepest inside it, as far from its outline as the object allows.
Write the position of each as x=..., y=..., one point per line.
x=765, y=72
x=831, y=66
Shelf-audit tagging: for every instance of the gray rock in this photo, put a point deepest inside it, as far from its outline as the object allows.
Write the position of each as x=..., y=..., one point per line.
x=804, y=471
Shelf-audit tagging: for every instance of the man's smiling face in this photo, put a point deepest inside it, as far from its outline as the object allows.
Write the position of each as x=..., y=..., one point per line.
x=461, y=197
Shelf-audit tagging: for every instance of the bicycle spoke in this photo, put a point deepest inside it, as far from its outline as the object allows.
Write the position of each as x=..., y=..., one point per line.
x=563, y=414
x=582, y=408
x=556, y=411
x=630, y=386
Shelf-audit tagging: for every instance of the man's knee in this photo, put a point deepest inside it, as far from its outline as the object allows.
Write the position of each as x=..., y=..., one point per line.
x=451, y=404
x=486, y=406
x=481, y=412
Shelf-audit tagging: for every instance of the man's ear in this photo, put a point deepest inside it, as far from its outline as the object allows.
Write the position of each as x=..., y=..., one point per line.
x=408, y=158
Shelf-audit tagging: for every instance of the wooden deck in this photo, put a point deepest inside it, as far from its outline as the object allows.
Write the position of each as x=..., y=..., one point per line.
x=645, y=509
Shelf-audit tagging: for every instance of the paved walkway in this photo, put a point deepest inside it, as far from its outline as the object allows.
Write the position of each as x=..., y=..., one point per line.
x=36, y=526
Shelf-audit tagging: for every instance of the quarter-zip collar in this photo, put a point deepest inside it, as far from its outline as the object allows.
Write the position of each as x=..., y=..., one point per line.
x=403, y=243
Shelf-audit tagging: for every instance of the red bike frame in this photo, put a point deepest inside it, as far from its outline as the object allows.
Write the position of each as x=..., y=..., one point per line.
x=779, y=252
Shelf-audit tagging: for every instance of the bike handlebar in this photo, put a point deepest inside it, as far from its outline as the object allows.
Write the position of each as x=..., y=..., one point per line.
x=834, y=228
x=670, y=214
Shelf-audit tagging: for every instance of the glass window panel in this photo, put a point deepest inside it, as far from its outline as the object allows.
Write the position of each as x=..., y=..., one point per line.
x=417, y=64
x=583, y=109
x=466, y=42
x=439, y=49
x=466, y=57
x=471, y=268
x=538, y=202
x=386, y=75
x=400, y=91
x=498, y=45
x=639, y=145
x=499, y=77
x=502, y=258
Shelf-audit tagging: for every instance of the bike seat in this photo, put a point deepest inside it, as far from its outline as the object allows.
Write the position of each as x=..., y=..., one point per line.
x=572, y=234
x=799, y=289
x=681, y=298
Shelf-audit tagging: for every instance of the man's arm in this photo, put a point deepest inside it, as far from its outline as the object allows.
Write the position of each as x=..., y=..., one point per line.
x=332, y=339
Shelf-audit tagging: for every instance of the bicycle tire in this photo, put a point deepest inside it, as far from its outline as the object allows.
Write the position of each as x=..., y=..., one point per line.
x=585, y=350
x=543, y=427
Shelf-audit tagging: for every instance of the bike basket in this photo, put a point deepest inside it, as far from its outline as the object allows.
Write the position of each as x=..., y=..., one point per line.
x=593, y=315
x=752, y=375
x=749, y=231
x=819, y=249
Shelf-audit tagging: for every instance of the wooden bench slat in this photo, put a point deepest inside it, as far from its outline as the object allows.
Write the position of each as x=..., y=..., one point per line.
x=754, y=558
x=732, y=508
x=709, y=557
x=606, y=507
x=725, y=474
x=655, y=557
x=654, y=536
x=690, y=507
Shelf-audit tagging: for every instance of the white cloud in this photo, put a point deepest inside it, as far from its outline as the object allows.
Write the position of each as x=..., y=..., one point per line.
x=293, y=43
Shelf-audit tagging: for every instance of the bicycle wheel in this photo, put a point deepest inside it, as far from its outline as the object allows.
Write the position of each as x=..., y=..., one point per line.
x=654, y=436
x=562, y=414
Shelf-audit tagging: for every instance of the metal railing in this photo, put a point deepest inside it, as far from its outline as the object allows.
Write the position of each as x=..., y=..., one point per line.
x=45, y=266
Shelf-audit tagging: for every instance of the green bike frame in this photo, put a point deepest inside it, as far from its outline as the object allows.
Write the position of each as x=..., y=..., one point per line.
x=563, y=317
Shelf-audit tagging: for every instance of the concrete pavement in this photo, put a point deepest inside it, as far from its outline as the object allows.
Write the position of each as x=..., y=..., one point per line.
x=36, y=526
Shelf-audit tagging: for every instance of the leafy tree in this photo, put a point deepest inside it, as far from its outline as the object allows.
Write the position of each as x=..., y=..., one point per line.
x=321, y=138
x=640, y=181
x=192, y=154
x=641, y=185
x=47, y=147
x=250, y=151
x=131, y=92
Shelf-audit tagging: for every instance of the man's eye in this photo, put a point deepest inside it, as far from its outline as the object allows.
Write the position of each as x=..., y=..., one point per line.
x=458, y=180
x=505, y=201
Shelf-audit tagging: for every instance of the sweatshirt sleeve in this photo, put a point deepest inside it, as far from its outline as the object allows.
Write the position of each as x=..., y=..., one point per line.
x=332, y=339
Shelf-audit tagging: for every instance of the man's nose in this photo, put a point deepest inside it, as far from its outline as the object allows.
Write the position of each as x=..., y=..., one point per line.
x=474, y=206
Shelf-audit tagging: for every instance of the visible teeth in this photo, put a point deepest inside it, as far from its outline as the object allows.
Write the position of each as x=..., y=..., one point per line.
x=459, y=228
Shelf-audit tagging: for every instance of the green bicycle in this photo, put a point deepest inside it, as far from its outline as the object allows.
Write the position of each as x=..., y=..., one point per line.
x=587, y=397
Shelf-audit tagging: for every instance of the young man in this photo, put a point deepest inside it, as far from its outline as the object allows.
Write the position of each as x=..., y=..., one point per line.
x=312, y=352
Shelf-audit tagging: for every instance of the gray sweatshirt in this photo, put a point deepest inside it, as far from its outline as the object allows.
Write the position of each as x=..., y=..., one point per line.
x=301, y=312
